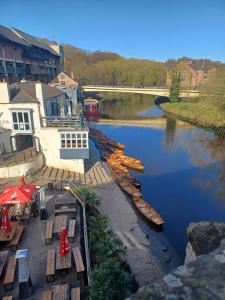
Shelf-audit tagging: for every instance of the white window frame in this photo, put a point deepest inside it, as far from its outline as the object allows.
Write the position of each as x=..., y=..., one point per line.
x=74, y=140
x=22, y=125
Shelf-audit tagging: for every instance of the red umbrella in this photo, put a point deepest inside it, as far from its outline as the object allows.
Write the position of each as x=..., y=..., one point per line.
x=6, y=224
x=15, y=194
x=64, y=243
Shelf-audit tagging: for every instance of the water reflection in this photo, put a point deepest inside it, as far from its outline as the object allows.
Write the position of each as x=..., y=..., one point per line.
x=127, y=106
x=184, y=174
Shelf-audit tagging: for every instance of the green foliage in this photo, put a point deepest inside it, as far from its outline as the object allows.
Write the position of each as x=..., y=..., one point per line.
x=92, y=199
x=175, y=88
x=109, y=282
x=112, y=69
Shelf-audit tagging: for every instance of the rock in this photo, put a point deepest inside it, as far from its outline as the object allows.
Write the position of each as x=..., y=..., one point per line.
x=205, y=236
x=201, y=279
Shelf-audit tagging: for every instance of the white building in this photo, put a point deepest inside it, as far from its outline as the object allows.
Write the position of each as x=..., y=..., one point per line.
x=30, y=115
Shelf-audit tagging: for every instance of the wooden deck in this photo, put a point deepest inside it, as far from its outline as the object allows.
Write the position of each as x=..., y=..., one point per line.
x=96, y=176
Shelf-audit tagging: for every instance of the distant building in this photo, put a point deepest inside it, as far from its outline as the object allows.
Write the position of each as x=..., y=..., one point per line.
x=64, y=80
x=34, y=114
x=191, y=75
x=23, y=56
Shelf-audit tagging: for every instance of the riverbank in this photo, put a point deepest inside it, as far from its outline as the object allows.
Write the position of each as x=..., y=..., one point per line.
x=151, y=123
x=204, y=113
x=123, y=221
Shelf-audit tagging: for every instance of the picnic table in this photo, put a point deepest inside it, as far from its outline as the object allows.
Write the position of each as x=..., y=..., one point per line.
x=59, y=222
x=63, y=263
x=3, y=257
x=8, y=236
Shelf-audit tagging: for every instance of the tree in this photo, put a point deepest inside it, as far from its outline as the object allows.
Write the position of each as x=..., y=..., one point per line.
x=110, y=282
x=175, y=88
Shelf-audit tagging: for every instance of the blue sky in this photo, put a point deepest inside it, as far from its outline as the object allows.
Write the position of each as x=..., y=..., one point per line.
x=153, y=29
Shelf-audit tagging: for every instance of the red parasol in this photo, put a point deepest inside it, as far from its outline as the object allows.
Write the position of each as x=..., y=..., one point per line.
x=64, y=243
x=16, y=194
x=6, y=224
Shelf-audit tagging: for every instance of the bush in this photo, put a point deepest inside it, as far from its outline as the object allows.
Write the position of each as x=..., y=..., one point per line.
x=92, y=199
x=110, y=282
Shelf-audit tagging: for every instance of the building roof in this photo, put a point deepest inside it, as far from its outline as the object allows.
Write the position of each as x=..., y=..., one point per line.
x=17, y=36
x=8, y=34
x=33, y=41
x=63, y=76
x=24, y=92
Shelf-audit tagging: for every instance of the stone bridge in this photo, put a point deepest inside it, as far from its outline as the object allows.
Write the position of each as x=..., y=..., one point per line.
x=155, y=91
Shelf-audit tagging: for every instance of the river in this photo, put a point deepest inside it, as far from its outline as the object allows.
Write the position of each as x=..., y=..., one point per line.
x=184, y=177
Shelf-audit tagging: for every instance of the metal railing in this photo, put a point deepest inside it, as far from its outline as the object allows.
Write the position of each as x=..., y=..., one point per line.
x=73, y=188
x=15, y=158
x=72, y=122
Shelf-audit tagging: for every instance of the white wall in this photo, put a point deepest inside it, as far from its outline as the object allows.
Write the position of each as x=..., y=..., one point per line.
x=50, y=142
x=23, y=169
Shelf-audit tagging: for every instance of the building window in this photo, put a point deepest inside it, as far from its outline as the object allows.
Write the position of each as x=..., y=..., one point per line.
x=74, y=140
x=21, y=121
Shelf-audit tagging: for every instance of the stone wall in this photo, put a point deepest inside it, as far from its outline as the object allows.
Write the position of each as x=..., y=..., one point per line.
x=203, y=278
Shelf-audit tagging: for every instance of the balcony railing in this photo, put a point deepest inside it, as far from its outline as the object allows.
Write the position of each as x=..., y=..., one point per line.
x=10, y=69
x=2, y=70
x=70, y=122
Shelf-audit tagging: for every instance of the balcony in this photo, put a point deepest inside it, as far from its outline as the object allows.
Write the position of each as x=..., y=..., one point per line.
x=10, y=69
x=20, y=69
x=2, y=70
x=64, y=122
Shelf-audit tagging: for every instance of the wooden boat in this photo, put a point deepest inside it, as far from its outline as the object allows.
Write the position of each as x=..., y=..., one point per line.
x=147, y=211
x=129, y=188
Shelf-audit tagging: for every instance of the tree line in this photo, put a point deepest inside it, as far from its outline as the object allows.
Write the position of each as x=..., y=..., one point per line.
x=110, y=68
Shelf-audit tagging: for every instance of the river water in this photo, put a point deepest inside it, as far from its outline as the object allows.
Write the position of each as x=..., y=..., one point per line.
x=184, y=177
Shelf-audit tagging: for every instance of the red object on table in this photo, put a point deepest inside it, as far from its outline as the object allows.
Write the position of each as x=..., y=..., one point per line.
x=6, y=223
x=17, y=194
x=64, y=243
x=22, y=181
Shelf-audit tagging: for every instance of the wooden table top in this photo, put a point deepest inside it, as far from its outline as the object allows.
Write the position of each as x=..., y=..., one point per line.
x=63, y=262
x=8, y=236
x=59, y=222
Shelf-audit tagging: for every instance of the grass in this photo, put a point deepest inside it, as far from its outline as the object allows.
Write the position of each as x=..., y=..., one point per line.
x=205, y=112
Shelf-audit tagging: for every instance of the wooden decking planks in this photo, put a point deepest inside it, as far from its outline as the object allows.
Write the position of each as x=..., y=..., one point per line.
x=96, y=176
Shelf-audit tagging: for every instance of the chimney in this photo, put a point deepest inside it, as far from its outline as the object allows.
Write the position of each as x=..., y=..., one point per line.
x=40, y=97
x=4, y=92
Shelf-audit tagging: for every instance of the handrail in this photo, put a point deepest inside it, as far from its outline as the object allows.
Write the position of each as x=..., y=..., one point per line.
x=73, y=189
x=18, y=157
x=56, y=121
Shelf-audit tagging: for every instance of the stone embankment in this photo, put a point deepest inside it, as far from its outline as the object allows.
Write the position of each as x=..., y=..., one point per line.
x=203, y=278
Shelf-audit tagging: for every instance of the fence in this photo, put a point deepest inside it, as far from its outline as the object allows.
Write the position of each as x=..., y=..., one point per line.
x=14, y=158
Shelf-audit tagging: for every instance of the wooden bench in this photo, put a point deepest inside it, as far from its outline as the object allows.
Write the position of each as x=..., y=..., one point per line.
x=10, y=273
x=3, y=258
x=48, y=233
x=7, y=298
x=14, y=242
x=75, y=293
x=47, y=295
x=61, y=292
x=50, y=269
x=71, y=230
x=67, y=210
x=78, y=260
